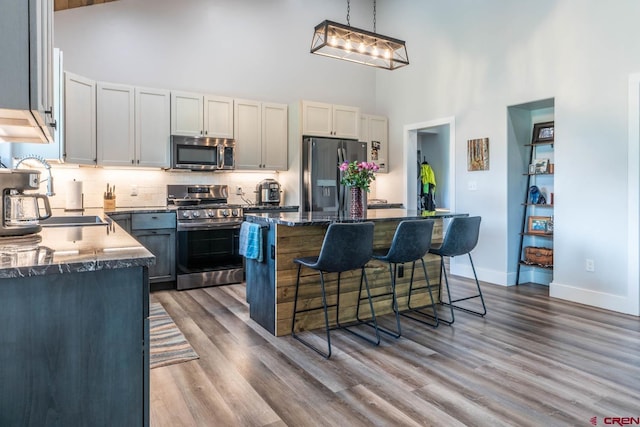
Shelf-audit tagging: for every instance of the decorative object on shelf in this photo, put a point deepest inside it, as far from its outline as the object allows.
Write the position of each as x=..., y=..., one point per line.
x=478, y=154
x=538, y=256
x=539, y=225
x=361, y=46
x=534, y=195
x=532, y=169
x=542, y=165
x=543, y=133
x=358, y=176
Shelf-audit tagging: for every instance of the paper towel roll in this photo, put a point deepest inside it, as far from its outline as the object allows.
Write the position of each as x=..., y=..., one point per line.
x=74, y=196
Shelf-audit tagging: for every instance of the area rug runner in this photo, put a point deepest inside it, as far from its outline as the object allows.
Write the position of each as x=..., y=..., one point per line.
x=167, y=344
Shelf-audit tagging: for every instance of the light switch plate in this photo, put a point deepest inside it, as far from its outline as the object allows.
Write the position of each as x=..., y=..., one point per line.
x=472, y=185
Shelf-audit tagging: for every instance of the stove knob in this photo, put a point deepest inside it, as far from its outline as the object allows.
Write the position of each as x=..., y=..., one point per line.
x=225, y=212
x=185, y=214
x=234, y=212
x=196, y=214
x=210, y=213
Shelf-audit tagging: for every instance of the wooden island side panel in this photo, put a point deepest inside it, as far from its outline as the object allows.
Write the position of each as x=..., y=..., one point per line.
x=294, y=242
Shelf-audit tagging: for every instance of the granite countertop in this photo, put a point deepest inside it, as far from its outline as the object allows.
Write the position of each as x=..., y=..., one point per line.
x=62, y=250
x=263, y=208
x=295, y=219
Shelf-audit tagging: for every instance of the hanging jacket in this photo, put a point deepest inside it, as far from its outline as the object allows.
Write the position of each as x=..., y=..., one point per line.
x=428, y=177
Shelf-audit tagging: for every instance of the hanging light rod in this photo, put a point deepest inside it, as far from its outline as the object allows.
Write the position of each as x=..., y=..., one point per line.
x=356, y=45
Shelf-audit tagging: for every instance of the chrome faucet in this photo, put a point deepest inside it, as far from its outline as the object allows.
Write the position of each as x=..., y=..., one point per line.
x=18, y=161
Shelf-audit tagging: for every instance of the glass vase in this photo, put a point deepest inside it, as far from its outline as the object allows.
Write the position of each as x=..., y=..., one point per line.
x=356, y=210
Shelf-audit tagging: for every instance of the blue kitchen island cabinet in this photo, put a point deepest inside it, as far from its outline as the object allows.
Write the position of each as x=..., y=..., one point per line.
x=74, y=342
x=285, y=236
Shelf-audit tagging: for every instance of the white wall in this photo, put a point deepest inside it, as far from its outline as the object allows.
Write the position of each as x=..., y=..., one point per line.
x=471, y=60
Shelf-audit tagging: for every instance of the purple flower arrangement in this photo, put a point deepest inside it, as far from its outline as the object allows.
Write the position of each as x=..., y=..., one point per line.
x=358, y=174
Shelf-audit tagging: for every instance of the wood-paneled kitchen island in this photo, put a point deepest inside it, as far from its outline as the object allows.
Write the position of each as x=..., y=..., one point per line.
x=271, y=283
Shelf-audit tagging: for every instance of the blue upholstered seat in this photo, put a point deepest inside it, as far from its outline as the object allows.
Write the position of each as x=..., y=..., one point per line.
x=346, y=246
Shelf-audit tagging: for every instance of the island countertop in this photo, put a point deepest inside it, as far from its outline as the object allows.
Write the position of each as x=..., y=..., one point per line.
x=61, y=250
x=294, y=219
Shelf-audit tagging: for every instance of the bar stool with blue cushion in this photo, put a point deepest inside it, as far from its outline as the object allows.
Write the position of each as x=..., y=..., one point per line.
x=460, y=239
x=411, y=242
x=346, y=246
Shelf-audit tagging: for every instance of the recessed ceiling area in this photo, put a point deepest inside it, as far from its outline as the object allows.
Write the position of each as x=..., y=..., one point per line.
x=70, y=4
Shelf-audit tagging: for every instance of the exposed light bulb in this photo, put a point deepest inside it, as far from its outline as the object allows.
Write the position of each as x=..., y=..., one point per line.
x=362, y=48
x=387, y=54
x=374, y=52
x=348, y=45
x=333, y=41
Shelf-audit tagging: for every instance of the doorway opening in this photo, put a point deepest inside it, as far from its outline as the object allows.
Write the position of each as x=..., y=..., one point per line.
x=433, y=142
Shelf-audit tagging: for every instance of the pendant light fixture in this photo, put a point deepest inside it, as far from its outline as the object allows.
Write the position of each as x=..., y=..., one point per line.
x=363, y=47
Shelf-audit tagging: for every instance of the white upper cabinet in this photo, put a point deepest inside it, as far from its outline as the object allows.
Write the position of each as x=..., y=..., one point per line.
x=79, y=119
x=339, y=121
x=194, y=114
x=26, y=86
x=133, y=126
x=186, y=114
x=374, y=130
x=275, y=136
x=261, y=135
x=218, y=117
x=248, y=132
x=153, y=128
x=115, y=124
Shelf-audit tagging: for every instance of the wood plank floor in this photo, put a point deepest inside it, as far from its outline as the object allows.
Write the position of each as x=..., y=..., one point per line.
x=532, y=361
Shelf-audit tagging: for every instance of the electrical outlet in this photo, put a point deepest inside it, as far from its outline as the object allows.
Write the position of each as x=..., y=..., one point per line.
x=590, y=265
x=472, y=185
x=134, y=190
x=238, y=191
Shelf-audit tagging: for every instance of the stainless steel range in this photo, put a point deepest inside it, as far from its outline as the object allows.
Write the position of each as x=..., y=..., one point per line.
x=208, y=231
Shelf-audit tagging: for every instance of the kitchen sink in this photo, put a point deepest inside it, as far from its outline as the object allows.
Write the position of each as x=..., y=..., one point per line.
x=73, y=221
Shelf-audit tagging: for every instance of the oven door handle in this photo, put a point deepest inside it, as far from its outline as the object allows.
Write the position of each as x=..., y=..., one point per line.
x=208, y=226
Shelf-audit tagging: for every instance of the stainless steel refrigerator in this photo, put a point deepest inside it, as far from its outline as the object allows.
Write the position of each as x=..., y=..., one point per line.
x=322, y=191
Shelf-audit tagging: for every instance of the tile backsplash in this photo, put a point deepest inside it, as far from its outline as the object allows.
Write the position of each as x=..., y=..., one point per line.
x=151, y=185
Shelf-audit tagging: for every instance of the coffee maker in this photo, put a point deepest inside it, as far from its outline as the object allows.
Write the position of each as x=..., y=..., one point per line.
x=268, y=192
x=21, y=212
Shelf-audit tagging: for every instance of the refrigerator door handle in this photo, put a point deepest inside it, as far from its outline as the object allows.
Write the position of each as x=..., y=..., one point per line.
x=338, y=178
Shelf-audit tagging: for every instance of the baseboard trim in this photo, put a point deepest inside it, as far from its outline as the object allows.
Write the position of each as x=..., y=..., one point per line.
x=621, y=304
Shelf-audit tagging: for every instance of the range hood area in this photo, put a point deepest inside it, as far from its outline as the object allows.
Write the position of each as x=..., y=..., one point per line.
x=26, y=88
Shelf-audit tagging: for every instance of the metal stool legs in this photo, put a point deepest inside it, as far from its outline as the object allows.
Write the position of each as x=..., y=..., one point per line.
x=325, y=306
x=451, y=303
x=326, y=316
x=417, y=310
x=394, y=305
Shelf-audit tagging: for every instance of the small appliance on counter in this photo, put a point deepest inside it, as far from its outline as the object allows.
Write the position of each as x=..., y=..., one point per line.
x=268, y=192
x=21, y=212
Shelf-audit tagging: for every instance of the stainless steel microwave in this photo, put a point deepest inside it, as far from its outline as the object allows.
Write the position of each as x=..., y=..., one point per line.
x=202, y=153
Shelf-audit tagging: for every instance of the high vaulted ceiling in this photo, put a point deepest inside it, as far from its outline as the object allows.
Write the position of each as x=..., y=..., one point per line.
x=69, y=4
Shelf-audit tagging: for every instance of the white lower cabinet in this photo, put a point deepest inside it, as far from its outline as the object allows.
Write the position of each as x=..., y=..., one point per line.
x=261, y=134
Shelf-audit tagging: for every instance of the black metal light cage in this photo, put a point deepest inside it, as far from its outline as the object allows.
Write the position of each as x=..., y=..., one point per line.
x=356, y=45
